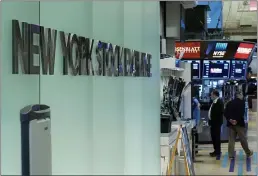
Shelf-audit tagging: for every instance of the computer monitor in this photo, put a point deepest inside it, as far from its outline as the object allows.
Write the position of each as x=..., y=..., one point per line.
x=238, y=69
x=196, y=70
x=216, y=69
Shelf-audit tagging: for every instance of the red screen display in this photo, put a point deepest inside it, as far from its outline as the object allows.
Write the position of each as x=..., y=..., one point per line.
x=191, y=50
x=244, y=50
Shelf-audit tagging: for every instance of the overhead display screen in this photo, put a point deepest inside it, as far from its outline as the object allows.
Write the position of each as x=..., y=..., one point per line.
x=244, y=50
x=238, y=69
x=214, y=16
x=216, y=69
x=188, y=50
x=219, y=50
x=213, y=50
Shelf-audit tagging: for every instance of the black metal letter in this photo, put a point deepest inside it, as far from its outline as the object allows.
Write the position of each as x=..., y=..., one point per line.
x=65, y=50
x=74, y=66
x=129, y=60
x=34, y=49
x=114, y=51
x=105, y=58
x=82, y=56
x=48, y=50
x=20, y=47
x=86, y=56
x=101, y=58
x=137, y=64
x=120, y=51
x=149, y=57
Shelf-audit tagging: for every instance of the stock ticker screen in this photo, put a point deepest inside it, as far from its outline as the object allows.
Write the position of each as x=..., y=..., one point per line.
x=216, y=69
x=196, y=69
x=238, y=69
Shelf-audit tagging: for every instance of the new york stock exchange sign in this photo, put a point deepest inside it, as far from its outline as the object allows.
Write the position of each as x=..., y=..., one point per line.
x=81, y=55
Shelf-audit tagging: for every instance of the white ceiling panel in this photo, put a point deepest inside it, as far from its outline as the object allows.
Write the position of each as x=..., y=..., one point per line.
x=239, y=15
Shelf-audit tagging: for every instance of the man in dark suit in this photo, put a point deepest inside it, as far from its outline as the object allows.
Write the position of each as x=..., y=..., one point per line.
x=215, y=122
x=234, y=113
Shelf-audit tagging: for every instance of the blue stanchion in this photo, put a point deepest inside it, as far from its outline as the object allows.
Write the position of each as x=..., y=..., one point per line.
x=225, y=161
x=240, y=163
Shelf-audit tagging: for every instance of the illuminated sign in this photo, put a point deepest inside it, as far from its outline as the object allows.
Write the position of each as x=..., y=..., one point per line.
x=190, y=50
x=244, y=50
x=220, y=50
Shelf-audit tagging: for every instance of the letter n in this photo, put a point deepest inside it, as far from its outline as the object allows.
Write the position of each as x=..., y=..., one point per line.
x=20, y=47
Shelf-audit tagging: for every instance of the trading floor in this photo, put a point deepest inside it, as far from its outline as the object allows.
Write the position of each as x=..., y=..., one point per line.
x=224, y=166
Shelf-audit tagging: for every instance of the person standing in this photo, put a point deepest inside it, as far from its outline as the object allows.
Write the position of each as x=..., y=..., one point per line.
x=215, y=122
x=234, y=113
x=197, y=117
x=196, y=110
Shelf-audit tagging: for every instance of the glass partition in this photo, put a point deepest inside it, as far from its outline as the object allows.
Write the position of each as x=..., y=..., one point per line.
x=17, y=90
x=101, y=122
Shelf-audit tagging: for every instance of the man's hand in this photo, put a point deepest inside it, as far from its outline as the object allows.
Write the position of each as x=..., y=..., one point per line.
x=233, y=122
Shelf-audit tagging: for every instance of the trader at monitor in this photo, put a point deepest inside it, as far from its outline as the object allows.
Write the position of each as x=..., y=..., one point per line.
x=215, y=122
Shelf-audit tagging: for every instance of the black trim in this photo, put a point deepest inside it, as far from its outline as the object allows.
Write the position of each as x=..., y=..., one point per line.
x=25, y=148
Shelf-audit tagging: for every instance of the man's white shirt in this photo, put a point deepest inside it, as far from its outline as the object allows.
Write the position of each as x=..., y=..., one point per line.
x=214, y=101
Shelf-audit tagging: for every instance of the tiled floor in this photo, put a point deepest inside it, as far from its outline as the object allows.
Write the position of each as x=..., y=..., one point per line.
x=210, y=166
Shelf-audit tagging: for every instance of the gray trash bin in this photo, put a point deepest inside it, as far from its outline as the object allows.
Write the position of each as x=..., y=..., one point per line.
x=36, y=140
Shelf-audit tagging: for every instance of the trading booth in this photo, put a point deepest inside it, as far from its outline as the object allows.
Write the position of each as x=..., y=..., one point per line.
x=220, y=65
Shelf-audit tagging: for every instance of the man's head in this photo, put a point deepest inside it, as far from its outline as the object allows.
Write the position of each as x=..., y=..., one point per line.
x=239, y=95
x=214, y=94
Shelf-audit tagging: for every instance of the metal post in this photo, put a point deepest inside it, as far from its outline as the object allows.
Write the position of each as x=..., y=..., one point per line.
x=193, y=144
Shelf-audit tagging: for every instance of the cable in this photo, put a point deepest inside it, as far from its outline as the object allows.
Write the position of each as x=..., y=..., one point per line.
x=217, y=25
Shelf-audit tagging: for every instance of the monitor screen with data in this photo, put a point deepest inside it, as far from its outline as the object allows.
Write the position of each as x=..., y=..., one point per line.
x=238, y=69
x=196, y=70
x=216, y=69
